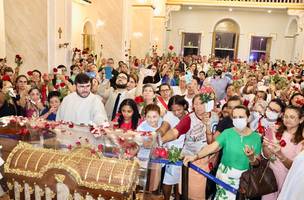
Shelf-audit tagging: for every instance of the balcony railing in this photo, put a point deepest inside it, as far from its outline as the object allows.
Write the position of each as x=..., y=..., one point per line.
x=292, y=4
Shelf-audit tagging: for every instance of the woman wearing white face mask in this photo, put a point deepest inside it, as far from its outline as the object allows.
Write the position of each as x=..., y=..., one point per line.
x=241, y=148
x=268, y=124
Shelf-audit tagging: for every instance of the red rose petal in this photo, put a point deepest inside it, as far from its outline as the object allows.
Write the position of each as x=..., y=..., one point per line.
x=282, y=143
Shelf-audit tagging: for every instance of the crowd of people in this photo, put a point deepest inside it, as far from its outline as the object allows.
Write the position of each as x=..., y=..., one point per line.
x=256, y=111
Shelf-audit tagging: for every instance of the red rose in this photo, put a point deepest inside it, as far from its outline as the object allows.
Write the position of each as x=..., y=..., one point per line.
x=261, y=130
x=30, y=73
x=235, y=78
x=139, y=99
x=278, y=136
x=210, y=166
x=47, y=126
x=156, y=152
x=56, y=86
x=171, y=47
x=78, y=143
x=163, y=153
x=66, y=78
x=69, y=147
x=282, y=143
x=6, y=78
x=71, y=125
x=100, y=147
x=62, y=84
x=24, y=131
x=18, y=56
x=289, y=78
x=55, y=70
x=272, y=72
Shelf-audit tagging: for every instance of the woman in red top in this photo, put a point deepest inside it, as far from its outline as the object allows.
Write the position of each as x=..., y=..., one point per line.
x=128, y=116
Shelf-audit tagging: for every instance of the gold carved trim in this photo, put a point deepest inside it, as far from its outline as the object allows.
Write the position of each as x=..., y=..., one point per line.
x=62, y=165
x=87, y=170
x=59, y=178
x=28, y=159
x=16, y=162
x=98, y=173
x=143, y=6
x=39, y=159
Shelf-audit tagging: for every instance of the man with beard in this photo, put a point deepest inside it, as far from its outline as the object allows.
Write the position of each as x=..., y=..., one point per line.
x=82, y=106
x=114, y=96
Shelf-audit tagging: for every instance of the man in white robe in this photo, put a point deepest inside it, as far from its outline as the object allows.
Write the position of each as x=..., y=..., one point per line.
x=82, y=106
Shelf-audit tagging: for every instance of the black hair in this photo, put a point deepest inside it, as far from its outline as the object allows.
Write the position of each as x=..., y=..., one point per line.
x=61, y=66
x=36, y=70
x=298, y=136
x=1, y=84
x=146, y=86
x=82, y=78
x=234, y=98
x=135, y=116
x=228, y=86
x=21, y=76
x=279, y=102
x=293, y=96
x=164, y=84
x=197, y=79
x=178, y=100
x=242, y=107
x=53, y=94
x=34, y=88
x=8, y=69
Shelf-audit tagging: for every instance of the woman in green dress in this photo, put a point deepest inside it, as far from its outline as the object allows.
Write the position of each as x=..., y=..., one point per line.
x=241, y=148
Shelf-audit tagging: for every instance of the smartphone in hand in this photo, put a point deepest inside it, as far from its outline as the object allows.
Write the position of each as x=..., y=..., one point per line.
x=108, y=72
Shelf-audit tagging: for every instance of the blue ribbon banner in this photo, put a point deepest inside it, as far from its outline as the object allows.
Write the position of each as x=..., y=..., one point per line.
x=200, y=171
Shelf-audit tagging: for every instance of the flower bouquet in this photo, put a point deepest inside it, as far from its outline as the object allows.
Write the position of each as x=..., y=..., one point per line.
x=207, y=97
x=173, y=154
x=18, y=60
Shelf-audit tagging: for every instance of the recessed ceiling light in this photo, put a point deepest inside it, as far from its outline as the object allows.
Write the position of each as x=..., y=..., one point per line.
x=269, y=11
x=230, y=9
x=190, y=7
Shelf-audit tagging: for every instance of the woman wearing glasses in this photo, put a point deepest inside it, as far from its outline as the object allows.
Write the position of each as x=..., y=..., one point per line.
x=283, y=146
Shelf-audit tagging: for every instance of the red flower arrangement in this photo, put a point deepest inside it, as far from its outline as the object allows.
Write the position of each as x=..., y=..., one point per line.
x=139, y=100
x=56, y=86
x=171, y=47
x=55, y=70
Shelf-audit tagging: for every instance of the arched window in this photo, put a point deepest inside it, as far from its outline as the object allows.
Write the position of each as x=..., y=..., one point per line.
x=225, y=39
x=88, y=36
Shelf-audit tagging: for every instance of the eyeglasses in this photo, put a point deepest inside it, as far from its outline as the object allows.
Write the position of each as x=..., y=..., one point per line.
x=167, y=90
x=292, y=117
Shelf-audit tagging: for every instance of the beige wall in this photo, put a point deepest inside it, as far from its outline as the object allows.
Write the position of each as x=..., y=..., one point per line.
x=252, y=22
x=26, y=33
x=2, y=31
x=110, y=34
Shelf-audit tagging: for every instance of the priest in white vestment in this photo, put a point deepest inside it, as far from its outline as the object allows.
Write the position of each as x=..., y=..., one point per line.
x=82, y=106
